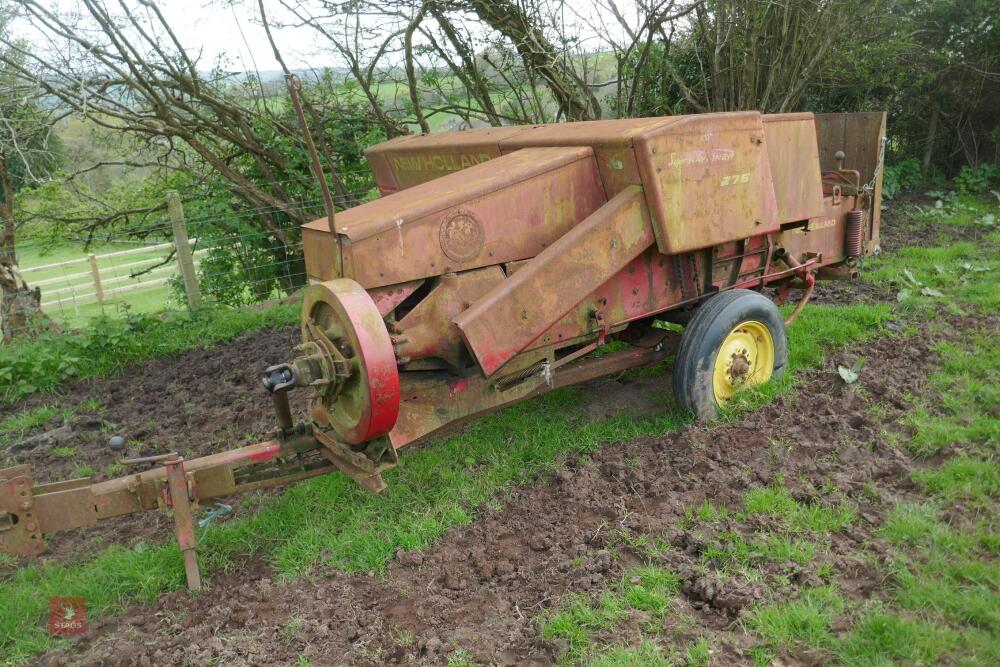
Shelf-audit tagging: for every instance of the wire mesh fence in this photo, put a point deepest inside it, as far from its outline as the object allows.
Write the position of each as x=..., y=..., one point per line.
x=236, y=259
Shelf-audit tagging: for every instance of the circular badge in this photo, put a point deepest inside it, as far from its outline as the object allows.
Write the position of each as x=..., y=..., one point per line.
x=461, y=236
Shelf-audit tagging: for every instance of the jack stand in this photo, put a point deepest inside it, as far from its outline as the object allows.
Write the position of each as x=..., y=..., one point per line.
x=183, y=520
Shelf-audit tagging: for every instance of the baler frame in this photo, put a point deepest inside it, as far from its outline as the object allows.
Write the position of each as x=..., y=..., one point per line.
x=618, y=223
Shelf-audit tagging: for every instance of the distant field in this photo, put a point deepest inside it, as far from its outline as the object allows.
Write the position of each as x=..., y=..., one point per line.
x=68, y=291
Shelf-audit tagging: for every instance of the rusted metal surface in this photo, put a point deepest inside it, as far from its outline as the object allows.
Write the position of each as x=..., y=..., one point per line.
x=708, y=180
x=807, y=274
x=509, y=209
x=793, y=154
x=322, y=254
x=434, y=400
x=294, y=90
x=408, y=161
x=437, y=401
x=512, y=315
x=427, y=330
x=363, y=469
x=74, y=503
x=855, y=242
x=177, y=499
x=825, y=235
x=366, y=402
x=20, y=529
x=861, y=136
x=387, y=298
x=378, y=160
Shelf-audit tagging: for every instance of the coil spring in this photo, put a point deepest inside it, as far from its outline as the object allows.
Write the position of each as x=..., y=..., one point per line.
x=854, y=244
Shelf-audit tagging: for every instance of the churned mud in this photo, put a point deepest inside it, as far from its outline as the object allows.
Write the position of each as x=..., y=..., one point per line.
x=197, y=403
x=483, y=588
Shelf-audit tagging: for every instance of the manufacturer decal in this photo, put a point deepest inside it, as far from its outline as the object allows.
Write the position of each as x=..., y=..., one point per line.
x=461, y=236
x=440, y=162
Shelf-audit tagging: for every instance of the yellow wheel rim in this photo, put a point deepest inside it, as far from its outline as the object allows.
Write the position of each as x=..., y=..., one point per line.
x=745, y=359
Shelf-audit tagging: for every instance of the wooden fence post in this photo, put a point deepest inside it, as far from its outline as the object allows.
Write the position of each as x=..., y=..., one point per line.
x=183, y=246
x=96, y=274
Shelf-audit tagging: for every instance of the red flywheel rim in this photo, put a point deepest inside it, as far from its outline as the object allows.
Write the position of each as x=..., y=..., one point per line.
x=368, y=405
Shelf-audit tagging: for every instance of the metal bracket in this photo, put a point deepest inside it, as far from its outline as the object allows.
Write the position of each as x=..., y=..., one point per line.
x=177, y=489
x=20, y=532
x=356, y=465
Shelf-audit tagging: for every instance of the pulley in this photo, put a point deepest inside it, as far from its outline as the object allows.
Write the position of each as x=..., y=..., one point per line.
x=347, y=358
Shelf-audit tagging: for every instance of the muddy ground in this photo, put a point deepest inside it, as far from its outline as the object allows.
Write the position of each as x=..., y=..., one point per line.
x=483, y=587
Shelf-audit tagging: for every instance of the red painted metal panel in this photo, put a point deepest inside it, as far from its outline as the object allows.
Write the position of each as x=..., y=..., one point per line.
x=415, y=160
x=861, y=137
x=595, y=133
x=794, y=158
x=514, y=314
x=707, y=180
x=508, y=209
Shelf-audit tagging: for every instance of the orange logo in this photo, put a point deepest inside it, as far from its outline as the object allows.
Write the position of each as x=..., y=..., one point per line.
x=67, y=616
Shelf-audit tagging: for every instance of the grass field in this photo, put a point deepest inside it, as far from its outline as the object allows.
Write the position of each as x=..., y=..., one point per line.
x=83, y=304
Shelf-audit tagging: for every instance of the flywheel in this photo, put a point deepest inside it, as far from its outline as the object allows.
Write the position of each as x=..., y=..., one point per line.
x=357, y=396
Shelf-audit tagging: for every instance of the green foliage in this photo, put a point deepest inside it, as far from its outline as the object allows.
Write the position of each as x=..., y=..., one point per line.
x=66, y=452
x=963, y=478
x=901, y=177
x=884, y=637
x=109, y=345
x=14, y=428
x=797, y=516
x=979, y=179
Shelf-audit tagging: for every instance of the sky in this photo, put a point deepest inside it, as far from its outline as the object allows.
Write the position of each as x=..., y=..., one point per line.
x=234, y=33
x=229, y=30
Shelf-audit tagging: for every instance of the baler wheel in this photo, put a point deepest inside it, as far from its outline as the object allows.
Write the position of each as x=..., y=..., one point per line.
x=365, y=405
x=736, y=339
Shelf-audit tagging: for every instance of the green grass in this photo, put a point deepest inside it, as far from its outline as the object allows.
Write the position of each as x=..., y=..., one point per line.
x=884, y=637
x=966, y=390
x=646, y=589
x=14, y=428
x=957, y=209
x=109, y=345
x=649, y=654
x=967, y=479
x=65, y=452
x=797, y=516
x=806, y=619
x=965, y=274
x=77, y=313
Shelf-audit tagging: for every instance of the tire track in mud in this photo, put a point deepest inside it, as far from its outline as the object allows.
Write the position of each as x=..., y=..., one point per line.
x=482, y=588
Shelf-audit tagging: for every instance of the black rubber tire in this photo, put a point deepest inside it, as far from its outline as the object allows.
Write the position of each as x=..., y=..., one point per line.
x=703, y=337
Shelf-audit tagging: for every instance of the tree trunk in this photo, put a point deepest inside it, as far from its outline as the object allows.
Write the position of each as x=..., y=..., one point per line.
x=20, y=306
x=925, y=165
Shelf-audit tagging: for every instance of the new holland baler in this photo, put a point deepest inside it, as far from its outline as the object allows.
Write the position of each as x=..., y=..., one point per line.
x=494, y=266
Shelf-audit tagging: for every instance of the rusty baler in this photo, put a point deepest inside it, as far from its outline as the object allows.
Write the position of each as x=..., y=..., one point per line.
x=493, y=266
